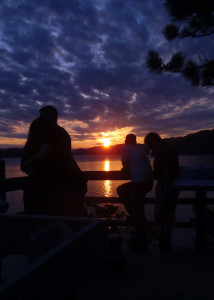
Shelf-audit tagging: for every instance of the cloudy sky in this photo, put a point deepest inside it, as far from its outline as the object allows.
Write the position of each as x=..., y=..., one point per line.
x=88, y=59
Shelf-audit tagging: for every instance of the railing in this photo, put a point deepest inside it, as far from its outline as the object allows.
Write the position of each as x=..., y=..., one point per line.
x=200, y=181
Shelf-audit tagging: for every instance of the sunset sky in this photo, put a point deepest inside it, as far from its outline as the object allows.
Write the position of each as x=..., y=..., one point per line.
x=88, y=59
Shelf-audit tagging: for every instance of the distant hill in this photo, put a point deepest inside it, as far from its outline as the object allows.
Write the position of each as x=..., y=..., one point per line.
x=198, y=143
x=99, y=150
x=11, y=152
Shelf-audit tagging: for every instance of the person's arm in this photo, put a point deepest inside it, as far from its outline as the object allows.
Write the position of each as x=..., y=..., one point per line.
x=37, y=157
x=125, y=162
x=125, y=169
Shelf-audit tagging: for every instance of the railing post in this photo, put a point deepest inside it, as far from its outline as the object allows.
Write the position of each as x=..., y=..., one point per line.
x=200, y=219
x=3, y=204
x=2, y=178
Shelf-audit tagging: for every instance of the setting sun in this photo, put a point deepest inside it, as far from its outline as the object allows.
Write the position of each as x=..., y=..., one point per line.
x=106, y=142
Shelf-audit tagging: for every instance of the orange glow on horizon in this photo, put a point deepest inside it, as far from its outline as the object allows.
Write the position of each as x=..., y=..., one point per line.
x=8, y=142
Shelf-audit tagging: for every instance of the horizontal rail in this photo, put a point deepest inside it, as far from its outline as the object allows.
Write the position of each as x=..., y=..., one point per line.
x=13, y=184
x=17, y=183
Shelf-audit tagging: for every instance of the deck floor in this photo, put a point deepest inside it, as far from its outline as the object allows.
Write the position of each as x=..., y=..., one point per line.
x=156, y=274
x=178, y=275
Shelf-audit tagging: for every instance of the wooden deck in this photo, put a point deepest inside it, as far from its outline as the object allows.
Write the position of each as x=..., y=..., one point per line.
x=180, y=274
x=46, y=257
x=156, y=274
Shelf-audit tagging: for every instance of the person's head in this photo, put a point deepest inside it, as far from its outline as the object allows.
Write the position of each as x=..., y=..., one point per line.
x=152, y=140
x=36, y=126
x=131, y=139
x=48, y=114
x=37, y=131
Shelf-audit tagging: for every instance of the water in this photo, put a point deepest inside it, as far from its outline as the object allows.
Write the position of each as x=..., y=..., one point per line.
x=105, y=188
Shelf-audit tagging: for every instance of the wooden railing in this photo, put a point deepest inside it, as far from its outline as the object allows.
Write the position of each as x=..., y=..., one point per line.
x=189, y=181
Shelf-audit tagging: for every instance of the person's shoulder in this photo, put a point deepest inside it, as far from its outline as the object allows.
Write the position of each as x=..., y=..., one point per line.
x=61, y=130
x=128, y=147
x=36, y=125
x=125, y=149
x=144, y=148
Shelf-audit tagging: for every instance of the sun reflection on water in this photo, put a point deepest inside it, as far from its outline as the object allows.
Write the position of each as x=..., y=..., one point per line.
x=107, y=183
x=107, y=165
x=107, y=188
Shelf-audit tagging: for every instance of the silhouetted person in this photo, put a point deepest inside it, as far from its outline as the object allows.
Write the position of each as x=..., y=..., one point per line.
x=56, y=184
x=136, y=162
x=38, y=140
x=166, y=168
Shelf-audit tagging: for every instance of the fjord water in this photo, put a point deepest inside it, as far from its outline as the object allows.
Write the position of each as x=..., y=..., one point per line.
x=105, y=188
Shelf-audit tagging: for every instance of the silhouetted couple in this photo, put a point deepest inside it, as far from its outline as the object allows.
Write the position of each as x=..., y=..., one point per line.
x=137, y=166
x=56, y=185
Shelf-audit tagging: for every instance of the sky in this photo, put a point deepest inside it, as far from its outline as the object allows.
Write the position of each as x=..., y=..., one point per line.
x=88, y=59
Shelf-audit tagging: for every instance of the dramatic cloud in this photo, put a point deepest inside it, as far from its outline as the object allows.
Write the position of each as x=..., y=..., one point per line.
x=87, y=58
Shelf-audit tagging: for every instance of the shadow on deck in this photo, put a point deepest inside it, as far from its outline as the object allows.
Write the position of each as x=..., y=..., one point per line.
x=156, y=274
